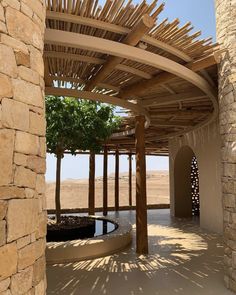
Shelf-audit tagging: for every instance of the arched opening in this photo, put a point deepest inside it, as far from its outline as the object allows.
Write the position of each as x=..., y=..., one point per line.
x=186, y=184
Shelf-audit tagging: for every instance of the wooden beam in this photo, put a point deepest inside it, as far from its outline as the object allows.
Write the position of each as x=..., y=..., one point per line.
x=117, y=180
x=91, y=195
x=141, y=194
x=98, y=61
x=174, y=98
x=132, y=39
x=130, y=179
x=178, y=113
x=172, y=123
x=76, y=19
x=143, y=87
x=105, y=186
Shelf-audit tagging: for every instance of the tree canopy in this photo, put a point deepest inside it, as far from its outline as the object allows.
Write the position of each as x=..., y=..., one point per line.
x=76, y=124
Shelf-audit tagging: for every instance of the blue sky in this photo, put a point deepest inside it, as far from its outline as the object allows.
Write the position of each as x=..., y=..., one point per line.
x=201, y=14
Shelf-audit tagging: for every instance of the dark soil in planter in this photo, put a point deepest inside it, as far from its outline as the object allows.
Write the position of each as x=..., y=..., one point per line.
x=70, y=228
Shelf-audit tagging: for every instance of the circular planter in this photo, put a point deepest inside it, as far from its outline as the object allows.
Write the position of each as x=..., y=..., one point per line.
x=76, y=250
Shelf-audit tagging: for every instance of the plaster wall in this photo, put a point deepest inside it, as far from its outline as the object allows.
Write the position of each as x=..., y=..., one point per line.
x=205, y=144
x=22, y=148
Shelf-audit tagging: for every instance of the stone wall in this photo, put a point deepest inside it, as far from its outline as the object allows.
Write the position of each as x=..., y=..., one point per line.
x=22, y=148
x=226, y=33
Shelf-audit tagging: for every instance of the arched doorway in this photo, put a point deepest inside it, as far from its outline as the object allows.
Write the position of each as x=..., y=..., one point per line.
x=186, y=184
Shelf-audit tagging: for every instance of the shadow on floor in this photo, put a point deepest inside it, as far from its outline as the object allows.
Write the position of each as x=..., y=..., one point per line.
x=183, y=259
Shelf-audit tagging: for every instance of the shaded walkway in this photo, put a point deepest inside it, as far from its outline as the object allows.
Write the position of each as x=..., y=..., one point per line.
x=183, y=259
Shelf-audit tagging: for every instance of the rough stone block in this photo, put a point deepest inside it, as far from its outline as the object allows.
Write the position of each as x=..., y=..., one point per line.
x=22, y=242
x=36, y=6
x=14, y=43
x=26, y=143
x=22, y=27
x=40, y=288
x=15, y=115
x=229, y=201
x=40, y=246
x=8, y=258
x=3, y=209
x=28, y=75
x=2, y=233
x=6, y=156
x=39, y=270
x=42, y=228
x=22, y=59
x=27, y=92
x=22, y=281
x=25, y=177
x=12, y=3
x=22, y=218
x=5, y=86
x=37, y=124
x=11, y=192
x=36, y=164
x=20, y=159
x=4, y=284
x=36, y=61
x=7, y=61
x=40, y=184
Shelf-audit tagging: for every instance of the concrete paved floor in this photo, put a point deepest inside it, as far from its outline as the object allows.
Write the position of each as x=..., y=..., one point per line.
x=183, y=260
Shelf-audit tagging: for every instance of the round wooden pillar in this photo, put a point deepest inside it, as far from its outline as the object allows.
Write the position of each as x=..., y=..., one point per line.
x=91, y=195
x=117, y=181
x=130, y=180
x=141, y=197
x=105, y=187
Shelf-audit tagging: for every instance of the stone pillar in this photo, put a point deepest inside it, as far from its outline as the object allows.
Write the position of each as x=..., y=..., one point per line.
x=22, y=148
x=226, y=27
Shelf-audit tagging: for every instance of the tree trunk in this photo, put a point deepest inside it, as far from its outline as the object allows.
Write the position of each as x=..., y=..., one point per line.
x=58, y=189
x=91, y=202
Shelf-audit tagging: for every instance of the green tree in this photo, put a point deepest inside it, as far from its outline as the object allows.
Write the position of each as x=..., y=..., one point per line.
x=75, y=124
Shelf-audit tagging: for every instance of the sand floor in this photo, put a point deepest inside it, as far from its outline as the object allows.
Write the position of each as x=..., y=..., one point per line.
x=74, y=193
x=183, y=260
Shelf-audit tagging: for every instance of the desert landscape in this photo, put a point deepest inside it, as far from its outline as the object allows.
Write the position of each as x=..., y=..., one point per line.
x=74, y=193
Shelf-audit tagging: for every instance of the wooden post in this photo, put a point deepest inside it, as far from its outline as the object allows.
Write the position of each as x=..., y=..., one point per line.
x=91, y=195
x=117, y=181
x=105, y=161
x=141, y=197
x=130, y=180
x=58, y=188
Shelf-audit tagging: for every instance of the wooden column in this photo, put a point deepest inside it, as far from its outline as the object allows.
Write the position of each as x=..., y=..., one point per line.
x=130, y=180
x=105, y=161
x=141, y=197
x=117, y=180
x=91, y=195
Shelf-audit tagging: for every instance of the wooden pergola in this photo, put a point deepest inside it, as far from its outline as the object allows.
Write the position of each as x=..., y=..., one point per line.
x=162, y=76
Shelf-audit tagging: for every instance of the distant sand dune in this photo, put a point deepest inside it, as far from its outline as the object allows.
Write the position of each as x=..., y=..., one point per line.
x=74, y=193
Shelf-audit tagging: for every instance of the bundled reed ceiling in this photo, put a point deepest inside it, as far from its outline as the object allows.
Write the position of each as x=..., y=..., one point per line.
x=121, y=53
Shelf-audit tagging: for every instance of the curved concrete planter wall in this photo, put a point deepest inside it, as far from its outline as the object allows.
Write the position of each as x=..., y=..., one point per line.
x=61, y=252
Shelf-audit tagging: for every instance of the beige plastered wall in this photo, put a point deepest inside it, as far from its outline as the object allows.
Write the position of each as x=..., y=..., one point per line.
x=205, y=144
x=22, y=148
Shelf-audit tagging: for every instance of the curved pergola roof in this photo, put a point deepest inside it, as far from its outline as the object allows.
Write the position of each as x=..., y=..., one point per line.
x=123, y=55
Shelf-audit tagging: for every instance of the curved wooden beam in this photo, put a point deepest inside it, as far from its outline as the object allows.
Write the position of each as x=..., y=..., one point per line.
x=132, y=39
x=137, y=109
x=75, y=40
x=97, y=61
x=98, y=24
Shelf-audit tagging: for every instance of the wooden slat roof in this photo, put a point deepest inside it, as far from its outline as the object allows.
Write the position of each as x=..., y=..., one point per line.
x=122, y=53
